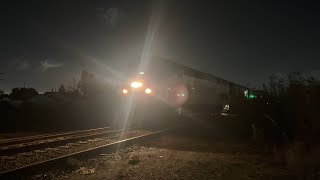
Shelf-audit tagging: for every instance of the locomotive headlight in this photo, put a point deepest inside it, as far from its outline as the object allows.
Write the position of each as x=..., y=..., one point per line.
x=124, y=91
x=136, y=84
x=148, y=91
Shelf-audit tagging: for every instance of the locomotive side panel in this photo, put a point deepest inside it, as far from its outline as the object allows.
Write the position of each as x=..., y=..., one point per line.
x=203, y=91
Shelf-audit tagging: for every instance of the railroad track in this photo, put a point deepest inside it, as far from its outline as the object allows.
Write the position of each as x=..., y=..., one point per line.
x=24, y=144
x=27, y=163
x=6, y=142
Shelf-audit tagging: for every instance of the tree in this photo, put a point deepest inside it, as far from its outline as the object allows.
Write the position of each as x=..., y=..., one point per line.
x=23, y=93
x=88, y=83
x=279, y=85
x=297, y=112
x=62, y=89
x=72, y=86
x=1, y=94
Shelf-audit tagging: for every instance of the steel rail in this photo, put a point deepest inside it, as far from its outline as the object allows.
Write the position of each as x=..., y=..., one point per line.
x=60, y=162
x=11, y=141
x=48, y=144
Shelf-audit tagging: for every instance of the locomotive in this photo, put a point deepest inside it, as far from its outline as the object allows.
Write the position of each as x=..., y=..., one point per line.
x=169, y=87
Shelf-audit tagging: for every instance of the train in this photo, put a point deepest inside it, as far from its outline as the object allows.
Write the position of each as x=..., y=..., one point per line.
x=182, y=87
x=169, y=91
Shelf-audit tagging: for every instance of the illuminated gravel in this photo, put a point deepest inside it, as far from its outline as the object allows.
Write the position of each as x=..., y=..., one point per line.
x=53, y=139
x=26, y=158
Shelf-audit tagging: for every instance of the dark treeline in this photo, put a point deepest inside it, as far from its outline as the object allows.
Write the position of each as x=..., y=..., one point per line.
x=291, y=129
x=86, y=104
x=295, y=106
x=284, y=118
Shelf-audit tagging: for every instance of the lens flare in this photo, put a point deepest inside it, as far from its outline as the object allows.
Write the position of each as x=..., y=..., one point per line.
x=178, y=95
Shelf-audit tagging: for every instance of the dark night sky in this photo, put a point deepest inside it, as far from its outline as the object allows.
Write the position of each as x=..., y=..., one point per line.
x=44, y=43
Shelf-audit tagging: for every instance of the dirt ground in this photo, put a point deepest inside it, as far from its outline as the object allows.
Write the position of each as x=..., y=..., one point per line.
x=181, y=156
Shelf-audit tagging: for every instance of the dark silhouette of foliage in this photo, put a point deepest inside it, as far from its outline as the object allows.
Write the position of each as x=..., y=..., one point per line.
x=62, y=89
x=2, y=95
x=72, y=87
x=279, y=85
x=89, y=85
x=298, y=101
x=23, y=93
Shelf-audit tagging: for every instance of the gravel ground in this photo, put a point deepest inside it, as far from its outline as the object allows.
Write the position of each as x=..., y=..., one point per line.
x=23, y=159
x=35, y=142
x=175, y=156
x=49, y=139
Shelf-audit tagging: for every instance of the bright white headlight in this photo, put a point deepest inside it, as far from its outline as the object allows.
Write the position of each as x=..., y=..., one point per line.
x=148, y=91
x=136, y=84
x=124, y=91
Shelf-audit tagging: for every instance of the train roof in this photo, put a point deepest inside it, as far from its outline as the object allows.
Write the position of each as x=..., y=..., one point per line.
x=161, y=62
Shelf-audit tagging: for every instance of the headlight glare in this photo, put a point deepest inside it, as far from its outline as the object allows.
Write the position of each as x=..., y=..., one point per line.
x=124, y=91
x=148, y=91
x=136, y=84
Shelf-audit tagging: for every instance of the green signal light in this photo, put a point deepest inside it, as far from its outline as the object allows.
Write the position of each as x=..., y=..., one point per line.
x=251, y=96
